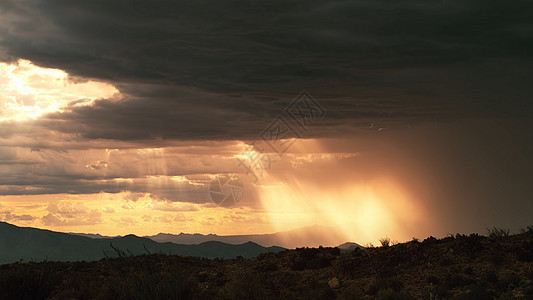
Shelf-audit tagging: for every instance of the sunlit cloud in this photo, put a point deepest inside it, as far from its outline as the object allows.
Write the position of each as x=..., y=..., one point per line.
x=116, y=214
x=28, y=91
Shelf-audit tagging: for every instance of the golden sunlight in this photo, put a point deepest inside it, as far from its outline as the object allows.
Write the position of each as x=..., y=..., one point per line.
x=28, y=91
x=362, y=212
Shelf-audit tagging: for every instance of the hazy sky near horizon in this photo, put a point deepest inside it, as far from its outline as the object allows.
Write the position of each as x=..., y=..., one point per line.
x=115, y=116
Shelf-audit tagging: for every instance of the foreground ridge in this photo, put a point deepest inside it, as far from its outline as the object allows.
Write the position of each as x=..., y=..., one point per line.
x=461, y=266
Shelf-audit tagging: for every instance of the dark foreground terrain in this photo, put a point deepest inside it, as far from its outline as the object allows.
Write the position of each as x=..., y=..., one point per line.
x=456, y=267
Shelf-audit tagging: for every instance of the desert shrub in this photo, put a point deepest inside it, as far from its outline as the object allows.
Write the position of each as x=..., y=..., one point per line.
x=529, y=273
x=310, y=258
x=496, y=233
x=267, y=267
x=528, y=290
x=469, y=271
x=83, y=286
x=491, y=277
x=143, y=277
x=385, y=242
x=307, y=253
x=454, y=280
x=509, y=281
x=524, y=252
x=528, y=229
x=266, y=256
x=298, y=264
x=497, y=257
x=329, y=251
x=318, y=263
x=203, y=276
x=351, y=292
x=333, y=251
x=357, y=252
x=475, y=292
x=432, y=292
x=390, y=294
x=468, y=244
x=433, y=279
x=430, y=241
x=445, y=261
x=448, y=238
x=317, y=290
x=379, y=284
x=246, y=285
x=20, y=281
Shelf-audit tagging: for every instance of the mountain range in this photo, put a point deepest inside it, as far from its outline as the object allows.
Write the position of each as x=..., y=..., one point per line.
x=32, y=244
x=310, y=236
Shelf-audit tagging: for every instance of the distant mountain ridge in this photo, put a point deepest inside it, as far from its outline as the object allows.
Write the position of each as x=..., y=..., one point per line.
x=310, y=236
x=93, y=236
x=32, y=244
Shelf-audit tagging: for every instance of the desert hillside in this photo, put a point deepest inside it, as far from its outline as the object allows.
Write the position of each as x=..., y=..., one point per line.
x=456, y=267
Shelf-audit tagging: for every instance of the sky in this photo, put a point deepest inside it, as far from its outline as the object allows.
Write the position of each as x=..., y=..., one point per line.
x=377, y=118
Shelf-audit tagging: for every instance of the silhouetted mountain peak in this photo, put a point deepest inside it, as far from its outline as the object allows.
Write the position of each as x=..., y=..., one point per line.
x=37, y=244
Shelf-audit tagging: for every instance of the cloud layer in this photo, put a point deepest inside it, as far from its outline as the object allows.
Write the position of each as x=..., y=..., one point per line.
x=404, y=86
x=199, y=70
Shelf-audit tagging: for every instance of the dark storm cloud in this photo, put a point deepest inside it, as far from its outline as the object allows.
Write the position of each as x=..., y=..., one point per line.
x=192, y=72
x=246, y=59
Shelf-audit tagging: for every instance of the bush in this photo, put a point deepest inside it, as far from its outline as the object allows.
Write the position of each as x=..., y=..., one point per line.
x=476, y=292
x=144, y=278
x=245, y=285
x=525, y=252
x=529, y=229
x=385, y=242
x=267, y=267
x=455, y=280
x=497, y=233
x=435, y=292
x=491, y=277
x=318, y=263
x=497, y=257
x=19, y=281
x=390, y=294
x=433, y=279
x=357, y=252
x=446, y=261
x=430, y=241
x=380, y=284
x=317, y=290
x=469, y=271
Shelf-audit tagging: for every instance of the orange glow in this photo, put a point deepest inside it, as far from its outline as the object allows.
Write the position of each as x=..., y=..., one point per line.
x=363, y=211
x=118, y=214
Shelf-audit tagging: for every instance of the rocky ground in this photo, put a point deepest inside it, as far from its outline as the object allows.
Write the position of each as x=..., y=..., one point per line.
x=456, y=267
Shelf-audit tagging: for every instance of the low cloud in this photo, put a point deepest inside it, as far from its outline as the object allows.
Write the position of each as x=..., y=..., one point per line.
x=69, y=214
x=8, y=216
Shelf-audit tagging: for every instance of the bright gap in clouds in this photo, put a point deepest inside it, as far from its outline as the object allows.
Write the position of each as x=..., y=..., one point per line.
x=28, y=91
